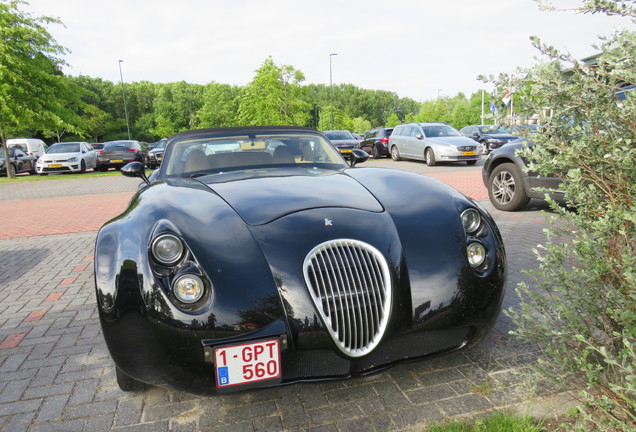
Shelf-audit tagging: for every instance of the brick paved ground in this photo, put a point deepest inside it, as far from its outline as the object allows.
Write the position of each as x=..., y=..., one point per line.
x=56, y=374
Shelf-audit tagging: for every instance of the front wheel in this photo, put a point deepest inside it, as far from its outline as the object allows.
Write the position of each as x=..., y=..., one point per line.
x=430, y=157
x=505, y=188
x=83, y=167
x=127, y=383
x=376, y=153
x=395, y=153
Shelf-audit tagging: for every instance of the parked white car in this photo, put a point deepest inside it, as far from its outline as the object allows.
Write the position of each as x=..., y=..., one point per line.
x=31, y=146
x=67, y=157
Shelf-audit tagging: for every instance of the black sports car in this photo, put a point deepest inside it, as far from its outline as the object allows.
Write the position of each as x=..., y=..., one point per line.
x=257, y=256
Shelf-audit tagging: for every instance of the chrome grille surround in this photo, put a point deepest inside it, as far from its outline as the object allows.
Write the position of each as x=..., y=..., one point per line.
x=350, y=284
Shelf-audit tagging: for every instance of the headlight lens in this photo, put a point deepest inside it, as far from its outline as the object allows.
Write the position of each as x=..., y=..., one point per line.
x=73, y=159
x=476, y=254
x=188, y=288
x=471, y=220
x=167, y=249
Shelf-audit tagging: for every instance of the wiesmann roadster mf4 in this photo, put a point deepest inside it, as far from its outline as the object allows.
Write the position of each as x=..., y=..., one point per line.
x=258, y=256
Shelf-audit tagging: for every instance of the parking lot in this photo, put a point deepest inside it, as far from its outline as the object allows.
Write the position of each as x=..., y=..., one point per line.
x=56, y=374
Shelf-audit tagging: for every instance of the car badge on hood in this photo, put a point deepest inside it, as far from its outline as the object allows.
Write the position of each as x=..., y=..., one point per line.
x=328, y=222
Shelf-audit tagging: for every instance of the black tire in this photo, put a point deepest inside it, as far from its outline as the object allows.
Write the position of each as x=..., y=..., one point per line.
x=103, y=169
x=429, y=155
x=395, y=153
x=44, y=174
x=505, y=188
x=376, y=153
x=82, y=167
x=127, y=383
x=473, y=162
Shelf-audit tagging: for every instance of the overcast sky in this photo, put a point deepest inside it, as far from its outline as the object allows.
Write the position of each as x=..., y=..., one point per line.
x=414, y=48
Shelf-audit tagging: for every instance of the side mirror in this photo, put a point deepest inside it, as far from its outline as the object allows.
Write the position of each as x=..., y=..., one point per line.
x=476, y=135
x=419, y=136
x=357, y=156
x=135, y=169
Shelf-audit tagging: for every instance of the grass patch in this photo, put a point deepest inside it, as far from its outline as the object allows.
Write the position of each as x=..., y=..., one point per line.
x=498, y=422
x=63, y=176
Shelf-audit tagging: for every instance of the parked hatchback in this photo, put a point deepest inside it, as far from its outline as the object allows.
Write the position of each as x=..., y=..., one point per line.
x=433, y=143
x=116, y=154
x=342, y=140
x=376, y=142
x=67, y=157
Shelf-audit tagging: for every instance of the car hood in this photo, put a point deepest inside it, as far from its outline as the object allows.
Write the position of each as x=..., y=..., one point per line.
x=344, y=142
x=57, y=156
x=452, y=140
x=264, y=199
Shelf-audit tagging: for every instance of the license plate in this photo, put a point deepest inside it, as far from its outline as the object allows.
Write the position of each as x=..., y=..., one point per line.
x=346, y=151
x=469, y=153
x=159, y=157
x=116, y=160
x=55, y=166
x=247, y=363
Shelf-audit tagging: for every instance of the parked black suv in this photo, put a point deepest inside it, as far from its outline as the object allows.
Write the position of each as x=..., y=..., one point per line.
x=491, y=137
x=509, y=185
x=376, y=142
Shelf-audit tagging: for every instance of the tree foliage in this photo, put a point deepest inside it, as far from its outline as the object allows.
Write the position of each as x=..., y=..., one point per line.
x=34, y=94
x=581, y=307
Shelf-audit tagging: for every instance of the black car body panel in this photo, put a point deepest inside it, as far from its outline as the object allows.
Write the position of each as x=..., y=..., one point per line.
x=376, y=142
x=490, y=137
x=19, y=160
x=250, y=236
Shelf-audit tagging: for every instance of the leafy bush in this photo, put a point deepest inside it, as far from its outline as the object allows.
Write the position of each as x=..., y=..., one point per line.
x=581, y=307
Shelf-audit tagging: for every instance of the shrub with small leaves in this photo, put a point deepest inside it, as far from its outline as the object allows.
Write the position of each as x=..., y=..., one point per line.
x=580, y=306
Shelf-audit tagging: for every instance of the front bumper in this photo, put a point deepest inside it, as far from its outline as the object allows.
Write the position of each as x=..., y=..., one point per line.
x=58, y=166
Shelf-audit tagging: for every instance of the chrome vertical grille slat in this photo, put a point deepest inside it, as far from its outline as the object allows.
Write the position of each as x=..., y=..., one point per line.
x=350, y=284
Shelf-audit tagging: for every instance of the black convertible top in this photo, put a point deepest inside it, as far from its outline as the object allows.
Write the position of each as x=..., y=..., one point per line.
x=239, y=129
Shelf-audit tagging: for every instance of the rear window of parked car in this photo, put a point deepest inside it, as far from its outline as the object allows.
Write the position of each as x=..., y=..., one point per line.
x=118, y=145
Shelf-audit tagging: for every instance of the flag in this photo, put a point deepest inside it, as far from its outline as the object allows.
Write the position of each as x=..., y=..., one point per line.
x=507, y=96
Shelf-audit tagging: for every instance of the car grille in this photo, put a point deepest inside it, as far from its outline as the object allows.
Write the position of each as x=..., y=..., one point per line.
x=466, y=148
x=350, y=285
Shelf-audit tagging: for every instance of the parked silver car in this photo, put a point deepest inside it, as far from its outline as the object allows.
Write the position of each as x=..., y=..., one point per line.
x=433, y=143
x=67, y=157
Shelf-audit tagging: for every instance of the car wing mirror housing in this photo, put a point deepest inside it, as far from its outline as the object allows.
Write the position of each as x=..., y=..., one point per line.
x=358, y=156
x=135, y=169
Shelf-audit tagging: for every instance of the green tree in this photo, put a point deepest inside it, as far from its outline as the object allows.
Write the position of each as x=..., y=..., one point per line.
x=581, y=307
x=361, y=125
x=220, y=105
x=34, y=94
x=274, y=97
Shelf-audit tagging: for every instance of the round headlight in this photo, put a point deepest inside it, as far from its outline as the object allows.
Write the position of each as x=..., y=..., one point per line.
x=476, y=254
x=471, y=220
x=167, y=249
x=188, y=288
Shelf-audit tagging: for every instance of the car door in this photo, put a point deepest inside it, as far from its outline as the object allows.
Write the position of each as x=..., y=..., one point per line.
x=418, y=144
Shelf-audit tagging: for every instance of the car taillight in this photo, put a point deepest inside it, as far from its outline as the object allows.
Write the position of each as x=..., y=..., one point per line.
x=101, y=151
x=384, y=140
x=132, y=150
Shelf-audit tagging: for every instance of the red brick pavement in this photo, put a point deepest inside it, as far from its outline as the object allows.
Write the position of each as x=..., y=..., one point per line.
x=82, y=213
x=69, y=214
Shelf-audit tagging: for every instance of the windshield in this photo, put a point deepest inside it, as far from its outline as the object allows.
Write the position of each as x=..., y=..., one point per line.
x=64, y=148
x=339, y=135
x=214, y=154
x=439, y=131
x=161, y=144
x=493, y=130
x=11, y=153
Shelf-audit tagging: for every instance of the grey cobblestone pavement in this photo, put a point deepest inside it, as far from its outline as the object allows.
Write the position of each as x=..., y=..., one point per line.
x=56, y=374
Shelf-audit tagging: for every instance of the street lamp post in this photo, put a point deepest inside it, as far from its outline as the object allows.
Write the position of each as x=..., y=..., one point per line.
x=123, y=91
x=331, y=87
